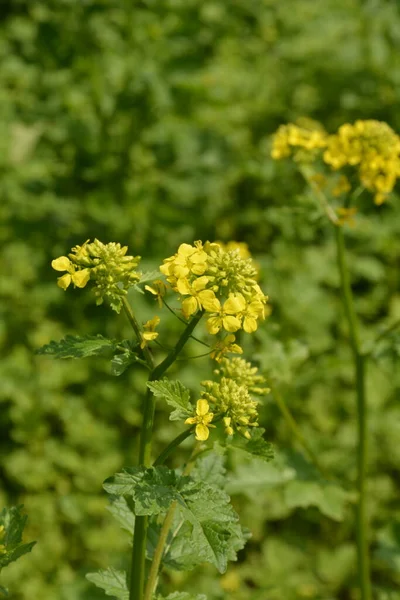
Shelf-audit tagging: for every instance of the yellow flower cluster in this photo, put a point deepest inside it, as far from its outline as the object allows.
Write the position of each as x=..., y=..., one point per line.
x=229, y=399
x=308, y=136
x=106, y=265
x=243, y=373
x=220, y=282
x=374, y=148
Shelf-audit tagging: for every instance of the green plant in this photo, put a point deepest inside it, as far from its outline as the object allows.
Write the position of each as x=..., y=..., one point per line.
x=364, y=157
x=179, y=518
x=12, y=523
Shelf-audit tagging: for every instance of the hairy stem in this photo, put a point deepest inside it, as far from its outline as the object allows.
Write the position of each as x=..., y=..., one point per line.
x=359, y=370
x=138, y=562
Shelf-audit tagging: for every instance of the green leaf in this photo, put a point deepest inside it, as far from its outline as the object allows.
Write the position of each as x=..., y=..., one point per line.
x=215, y=535
x=153, y=490
x=328, y=497
x=121, y=362
x=13, y=522
x=3, y=591
x=210, y=467
x=121, y=512
x=176, y=395
x=256, y=445
x=110, y=580
x=147, y=277
x=79, y=347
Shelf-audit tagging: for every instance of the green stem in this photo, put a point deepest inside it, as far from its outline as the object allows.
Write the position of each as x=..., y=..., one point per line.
x=162, y=538
x=161, y=458
x=294, y=427
x=138, y=566
x=136, y=328
x=359, y=369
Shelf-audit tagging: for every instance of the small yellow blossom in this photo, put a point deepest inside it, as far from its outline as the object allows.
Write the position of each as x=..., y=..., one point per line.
x=78, y=278
x=225, y=346
x=307, y=135
x=202, y=420
x=158, y=289
x=150, y=333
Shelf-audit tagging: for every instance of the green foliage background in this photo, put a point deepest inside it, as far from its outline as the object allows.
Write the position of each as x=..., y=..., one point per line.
x=148, y=123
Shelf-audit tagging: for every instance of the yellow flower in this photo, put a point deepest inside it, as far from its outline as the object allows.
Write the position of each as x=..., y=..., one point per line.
x=150, y=332
x=226, y=317
x=307, y=135
x=203, y=419
x=78, y=278
x=225, y=346
x=199, y=297
x=158, y=289
x=373, y=148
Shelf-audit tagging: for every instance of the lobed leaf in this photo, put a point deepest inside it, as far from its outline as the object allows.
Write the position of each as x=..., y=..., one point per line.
x=75, y=346
x=176, y=395
x=110, y=580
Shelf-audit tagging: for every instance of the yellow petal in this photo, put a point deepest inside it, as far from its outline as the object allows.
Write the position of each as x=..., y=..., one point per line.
x=202, y=432
x=191, y=421
x=200, y=283
x=249, y=324
x=183, y=286
x=64, y=281
x=214, y=325
x=231, y=323
x=61, y=264
x=235, y=304
x=202, y=407
x=209, y=301
x=80, y=278
x=189, y=307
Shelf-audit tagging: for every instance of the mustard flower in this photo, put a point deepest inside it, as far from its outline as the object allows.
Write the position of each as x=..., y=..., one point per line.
x=225, y=346
x=202, y=420
x=307, y=135
x=149, y=334
x=244, y=373
x=107, y=266
x=233, y=401
x=373, y=148
x=158, y=289
x=78, y=278
x=219, y=281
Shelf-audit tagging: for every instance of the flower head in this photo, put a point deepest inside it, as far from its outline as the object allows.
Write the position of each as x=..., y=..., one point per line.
x=106, y=265
x=302, y=139
x=202, y=420
x=219, y=281
x=373, y=148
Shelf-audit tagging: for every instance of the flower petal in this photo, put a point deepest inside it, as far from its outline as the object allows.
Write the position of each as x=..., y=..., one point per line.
x=202, y=407
x=64, y=281
x=80, y=278
x=202, y=432
x=61, y=264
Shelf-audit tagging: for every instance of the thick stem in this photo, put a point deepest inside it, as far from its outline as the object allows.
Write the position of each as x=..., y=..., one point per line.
x=138, y=566
x=359, y=369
